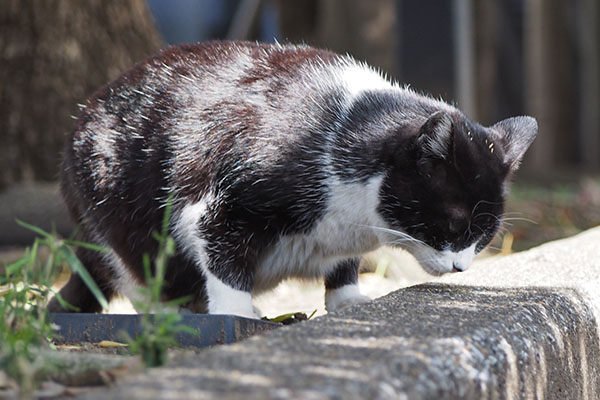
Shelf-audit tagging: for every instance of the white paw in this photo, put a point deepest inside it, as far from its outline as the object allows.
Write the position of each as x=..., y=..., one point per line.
x=336, y=299
x=223, y=299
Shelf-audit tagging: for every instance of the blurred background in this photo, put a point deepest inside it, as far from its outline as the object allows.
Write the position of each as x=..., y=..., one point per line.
x=493, y=59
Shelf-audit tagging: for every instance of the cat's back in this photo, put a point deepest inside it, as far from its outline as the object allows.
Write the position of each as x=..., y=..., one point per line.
x=193, y=76
x=193, y=114
x=191, y=91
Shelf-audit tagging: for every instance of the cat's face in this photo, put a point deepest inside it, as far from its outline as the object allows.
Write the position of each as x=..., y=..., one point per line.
x=447, y=200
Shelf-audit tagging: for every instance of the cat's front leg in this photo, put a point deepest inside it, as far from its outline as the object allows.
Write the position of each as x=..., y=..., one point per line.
x=223, y=257
x=223, y=298
x=341, y=286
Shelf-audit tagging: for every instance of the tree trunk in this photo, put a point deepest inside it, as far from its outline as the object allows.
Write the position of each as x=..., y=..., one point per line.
x=549, y=94
x=465, y=78
x=487, y=60
x=589, y=83
x=54, y=54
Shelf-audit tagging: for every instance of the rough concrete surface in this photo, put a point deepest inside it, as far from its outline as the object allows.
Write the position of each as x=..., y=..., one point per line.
x=524, y=326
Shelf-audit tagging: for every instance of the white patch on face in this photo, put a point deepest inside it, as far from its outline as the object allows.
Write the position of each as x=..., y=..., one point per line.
x=358, y=78
x=222, y=298
x=343, y=297
x=437, y=262
x=463, y=259
x=341, y=233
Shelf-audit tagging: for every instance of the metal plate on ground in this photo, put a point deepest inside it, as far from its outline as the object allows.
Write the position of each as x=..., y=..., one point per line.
x=209, y=330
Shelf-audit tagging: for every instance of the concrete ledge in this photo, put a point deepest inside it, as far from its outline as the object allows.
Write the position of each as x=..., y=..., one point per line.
x=535, y=335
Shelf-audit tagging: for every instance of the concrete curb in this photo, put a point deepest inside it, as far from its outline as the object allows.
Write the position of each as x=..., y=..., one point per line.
x=534, y=335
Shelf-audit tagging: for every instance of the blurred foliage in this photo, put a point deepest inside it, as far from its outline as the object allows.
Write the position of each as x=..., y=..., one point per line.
x=537, y=214
x=25, y=328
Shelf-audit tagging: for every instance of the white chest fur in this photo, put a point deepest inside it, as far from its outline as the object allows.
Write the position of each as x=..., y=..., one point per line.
x=344, y=231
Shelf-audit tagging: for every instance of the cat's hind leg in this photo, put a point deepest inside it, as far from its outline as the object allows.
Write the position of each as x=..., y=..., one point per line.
x=76, y=292
x=341, y=286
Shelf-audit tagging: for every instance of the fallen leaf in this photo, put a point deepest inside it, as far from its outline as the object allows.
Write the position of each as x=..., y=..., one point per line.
x=110, y=343
x=67, y=347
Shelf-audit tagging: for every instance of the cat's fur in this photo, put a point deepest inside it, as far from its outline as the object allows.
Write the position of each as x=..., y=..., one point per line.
x=284, y=161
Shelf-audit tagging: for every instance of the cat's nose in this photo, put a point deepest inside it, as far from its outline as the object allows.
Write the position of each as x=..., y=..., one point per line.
x=457, y=268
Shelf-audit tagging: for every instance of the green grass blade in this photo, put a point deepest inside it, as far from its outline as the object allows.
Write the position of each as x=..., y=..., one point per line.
x=64, y=304
x=34, y=253
x=167, y=217
x=147, y=269
x=37, y=230
x=16, y=266
x=78, y=268
x=177, y=302
x=89, y=246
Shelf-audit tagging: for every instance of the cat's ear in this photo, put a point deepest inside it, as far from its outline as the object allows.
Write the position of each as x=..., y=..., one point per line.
x=516, y=135
x=435, y=136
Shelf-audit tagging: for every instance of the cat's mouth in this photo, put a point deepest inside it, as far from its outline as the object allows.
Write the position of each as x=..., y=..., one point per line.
x=435, y=270
x=437, y=263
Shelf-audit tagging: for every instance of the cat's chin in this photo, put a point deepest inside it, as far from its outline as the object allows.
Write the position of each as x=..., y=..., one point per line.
x=433, y=262
x=434, y=270
x=438, y=263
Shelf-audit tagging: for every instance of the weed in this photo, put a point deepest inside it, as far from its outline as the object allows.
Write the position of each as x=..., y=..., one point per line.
x=158, y=327
x=25, y=288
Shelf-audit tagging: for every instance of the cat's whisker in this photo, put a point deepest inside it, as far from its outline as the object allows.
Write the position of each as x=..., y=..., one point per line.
x=520, y=219
x=483, y=202
x=395, y=243
x=407, y=240
x=394, y=232
x=512, y=213
x=494, y=248
x=488, y=214
x=478, y=227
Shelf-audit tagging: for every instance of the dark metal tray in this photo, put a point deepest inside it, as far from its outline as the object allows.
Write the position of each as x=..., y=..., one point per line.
x=210, y=329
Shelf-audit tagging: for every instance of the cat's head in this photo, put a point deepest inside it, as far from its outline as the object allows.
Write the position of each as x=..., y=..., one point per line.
x=445, y=195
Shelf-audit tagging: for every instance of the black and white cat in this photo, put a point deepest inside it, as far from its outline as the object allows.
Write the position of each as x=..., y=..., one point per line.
x=284, y=161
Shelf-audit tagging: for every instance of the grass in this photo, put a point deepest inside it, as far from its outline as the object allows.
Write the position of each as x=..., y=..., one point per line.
x=26, y=332
x=25, y=287
x=159, y=328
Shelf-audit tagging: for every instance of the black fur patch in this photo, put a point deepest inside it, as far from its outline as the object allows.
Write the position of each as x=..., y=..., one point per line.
x=345, y=273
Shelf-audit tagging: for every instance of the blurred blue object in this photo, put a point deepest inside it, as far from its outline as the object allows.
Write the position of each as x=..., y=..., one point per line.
x=191, y=21
x=269, y=22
